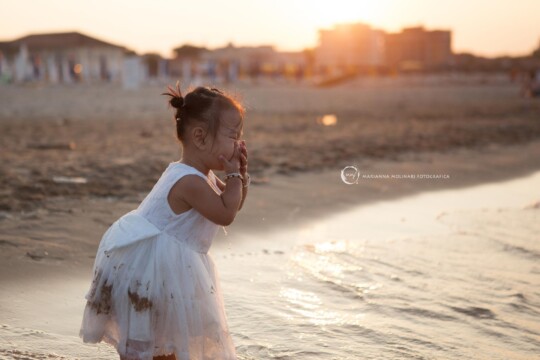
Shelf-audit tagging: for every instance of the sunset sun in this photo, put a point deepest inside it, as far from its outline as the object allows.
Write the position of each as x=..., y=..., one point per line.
x=342, y=11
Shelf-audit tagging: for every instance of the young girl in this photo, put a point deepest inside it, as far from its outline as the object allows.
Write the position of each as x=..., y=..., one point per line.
x=155, y=292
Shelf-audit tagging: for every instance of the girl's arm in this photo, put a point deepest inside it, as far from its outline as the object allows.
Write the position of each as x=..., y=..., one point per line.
x=220, y=209
x=221, y=186
x=244, y=194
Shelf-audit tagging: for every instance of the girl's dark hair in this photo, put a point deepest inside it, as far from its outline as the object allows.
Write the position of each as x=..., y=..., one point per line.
x=202, y=104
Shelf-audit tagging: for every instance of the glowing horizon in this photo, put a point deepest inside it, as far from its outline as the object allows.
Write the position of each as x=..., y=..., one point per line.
x=484, y=28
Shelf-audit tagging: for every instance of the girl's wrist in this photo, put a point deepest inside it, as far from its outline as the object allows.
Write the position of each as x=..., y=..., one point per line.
x=246, y=179
x=234, y=179
x=231, y=175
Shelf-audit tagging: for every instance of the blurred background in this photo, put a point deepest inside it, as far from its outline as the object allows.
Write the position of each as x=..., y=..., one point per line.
x=393, y=89
x=384, y=78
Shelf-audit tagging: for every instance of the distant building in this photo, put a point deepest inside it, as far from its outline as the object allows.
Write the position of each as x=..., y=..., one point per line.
x=230, y=63
x=61, y=57
x=349, y=46
x=418, y=49
x=183, y=63
x=357, y=46
x=292, y=64
x=155, y=65
x=238, y=61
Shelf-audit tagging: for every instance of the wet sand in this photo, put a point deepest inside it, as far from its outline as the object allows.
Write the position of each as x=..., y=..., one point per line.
x=64, y=232
x=118, y=141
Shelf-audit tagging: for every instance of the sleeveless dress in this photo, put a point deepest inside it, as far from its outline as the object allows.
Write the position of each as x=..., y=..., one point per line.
x=155, y=290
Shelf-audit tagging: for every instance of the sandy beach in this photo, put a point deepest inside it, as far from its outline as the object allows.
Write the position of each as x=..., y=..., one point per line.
x=117, y=143
x=122, y=140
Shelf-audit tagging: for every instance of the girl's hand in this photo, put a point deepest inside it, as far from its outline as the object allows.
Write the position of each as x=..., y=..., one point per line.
x=243, y=159
x=233, y=165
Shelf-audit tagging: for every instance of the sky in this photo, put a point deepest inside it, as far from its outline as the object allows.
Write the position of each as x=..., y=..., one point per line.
x=483, y=27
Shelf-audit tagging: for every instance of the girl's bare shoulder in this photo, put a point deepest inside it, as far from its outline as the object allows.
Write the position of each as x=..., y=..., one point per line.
x=176, y=197
x=195, y=192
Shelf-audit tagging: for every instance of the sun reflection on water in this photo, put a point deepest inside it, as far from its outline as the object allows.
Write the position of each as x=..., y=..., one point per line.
x=309, y=306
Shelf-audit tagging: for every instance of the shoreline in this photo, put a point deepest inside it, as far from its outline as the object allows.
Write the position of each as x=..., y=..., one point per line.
x=324, y=192
x=31, y=305
x=63, y=241
x=66, y=232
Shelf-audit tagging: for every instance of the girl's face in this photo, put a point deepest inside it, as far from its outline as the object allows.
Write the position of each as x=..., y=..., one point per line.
x=230, y=131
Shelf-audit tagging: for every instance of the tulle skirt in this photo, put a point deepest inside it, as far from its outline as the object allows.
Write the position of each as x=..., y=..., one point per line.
x=157, y=297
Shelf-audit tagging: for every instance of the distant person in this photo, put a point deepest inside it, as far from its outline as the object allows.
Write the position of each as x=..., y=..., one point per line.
x=155, y=292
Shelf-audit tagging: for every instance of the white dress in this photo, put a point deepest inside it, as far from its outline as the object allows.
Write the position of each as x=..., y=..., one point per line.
x=155, y=289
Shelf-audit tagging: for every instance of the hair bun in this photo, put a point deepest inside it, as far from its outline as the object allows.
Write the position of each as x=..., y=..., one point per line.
x=177, y=101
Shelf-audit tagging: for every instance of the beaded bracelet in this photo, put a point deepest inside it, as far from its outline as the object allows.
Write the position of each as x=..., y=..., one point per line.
x=238, y=175
x=245, y=182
